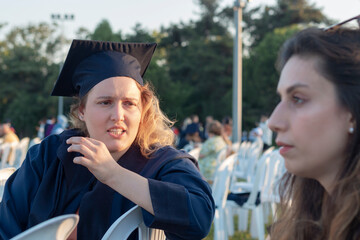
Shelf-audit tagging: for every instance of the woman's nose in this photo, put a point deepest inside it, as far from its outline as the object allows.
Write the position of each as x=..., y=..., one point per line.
x=118, y=113
x=277, y=120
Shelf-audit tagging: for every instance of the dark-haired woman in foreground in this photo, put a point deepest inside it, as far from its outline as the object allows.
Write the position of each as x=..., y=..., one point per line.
x=317, y=124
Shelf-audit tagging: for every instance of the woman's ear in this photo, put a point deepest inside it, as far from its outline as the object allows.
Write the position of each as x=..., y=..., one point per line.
x=352, y=123
x=81, y=113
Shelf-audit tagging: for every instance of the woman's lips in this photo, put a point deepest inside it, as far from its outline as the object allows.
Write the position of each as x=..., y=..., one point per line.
x=284, y=148
x=116, y=132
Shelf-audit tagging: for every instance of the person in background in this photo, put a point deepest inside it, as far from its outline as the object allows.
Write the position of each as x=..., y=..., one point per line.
x=205, y=133
x=49, y=124
x=193, y=134
x=8, y=136
x=210, y=150
x=193, y=130
x=116, y=155
x=41, y=129
x=60, y=125
x=8, y=132
x=266, y=132
x=182, y=142
x=227, y=123
x=317, y=123
x=244, y=136
x=256, y=133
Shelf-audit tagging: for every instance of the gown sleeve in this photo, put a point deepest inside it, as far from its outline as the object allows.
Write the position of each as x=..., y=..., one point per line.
x=20, y=188
x=182, y=201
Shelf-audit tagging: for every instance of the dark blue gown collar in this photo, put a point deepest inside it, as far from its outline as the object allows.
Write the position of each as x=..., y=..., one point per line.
x=132, y=160
x=76, y=175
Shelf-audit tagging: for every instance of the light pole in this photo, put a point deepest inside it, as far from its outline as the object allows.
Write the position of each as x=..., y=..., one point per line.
x=237, y=71
x=62, y=19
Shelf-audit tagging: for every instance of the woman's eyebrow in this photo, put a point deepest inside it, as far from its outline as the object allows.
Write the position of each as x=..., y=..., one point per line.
x=295, y=86
x=125, y=98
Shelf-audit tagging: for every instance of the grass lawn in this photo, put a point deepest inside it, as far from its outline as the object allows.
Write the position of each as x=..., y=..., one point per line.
x=238, y=234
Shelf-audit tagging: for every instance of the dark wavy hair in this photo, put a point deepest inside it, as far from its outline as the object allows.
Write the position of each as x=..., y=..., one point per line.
x=306, y=210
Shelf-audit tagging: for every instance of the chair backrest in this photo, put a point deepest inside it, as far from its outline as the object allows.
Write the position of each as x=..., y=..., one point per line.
x=258, y=181
x=58, y=228
x=5, y=173
x=235, y=147
x=8, y=153
x=221, y=183
x=127, y=223
x=221, y=156
x=253, y=156
x=244, y=146
x=195, y=152
x=20, y=152
x=34, y=141
x=274, y=173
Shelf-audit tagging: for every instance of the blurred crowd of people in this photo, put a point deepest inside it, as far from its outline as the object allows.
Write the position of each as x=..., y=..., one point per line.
x=214, y=136
x=193, y=133
x=52, y=125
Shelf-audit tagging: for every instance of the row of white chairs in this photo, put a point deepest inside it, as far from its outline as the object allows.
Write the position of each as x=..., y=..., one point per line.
x=13, y=154
x=222, y=154
x=251, y=177
x=5, y=173
x=61, y=227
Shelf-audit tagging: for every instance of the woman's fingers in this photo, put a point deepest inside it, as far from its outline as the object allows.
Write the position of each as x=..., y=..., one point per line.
x=96, y=157
x=90, y=148
x=82, y=145
x=82, y=161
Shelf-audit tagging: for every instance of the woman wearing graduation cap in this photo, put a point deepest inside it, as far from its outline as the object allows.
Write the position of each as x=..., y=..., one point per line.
x=117, y=155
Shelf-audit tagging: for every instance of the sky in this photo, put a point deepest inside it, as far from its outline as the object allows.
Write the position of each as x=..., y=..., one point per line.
x=124, y=14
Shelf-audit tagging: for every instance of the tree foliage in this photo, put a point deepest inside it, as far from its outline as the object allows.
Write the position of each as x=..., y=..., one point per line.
x=27, y=76
x=261, y=76
x=191, y=70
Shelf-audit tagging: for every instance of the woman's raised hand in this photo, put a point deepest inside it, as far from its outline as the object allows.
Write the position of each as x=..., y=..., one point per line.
x=96, y=157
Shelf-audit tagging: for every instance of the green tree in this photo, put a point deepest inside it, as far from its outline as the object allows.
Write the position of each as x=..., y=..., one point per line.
x=103, y=32
x=284, y=13
x=199, y=59
x=262, y=77
x=27, y=76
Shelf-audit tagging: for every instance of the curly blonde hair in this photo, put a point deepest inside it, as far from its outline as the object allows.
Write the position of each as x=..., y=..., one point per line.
x=154, y=130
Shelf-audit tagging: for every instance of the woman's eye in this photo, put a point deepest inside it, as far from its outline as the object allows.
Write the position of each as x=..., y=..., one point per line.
x=297, y=100
x=107, y=102
x=129, y=103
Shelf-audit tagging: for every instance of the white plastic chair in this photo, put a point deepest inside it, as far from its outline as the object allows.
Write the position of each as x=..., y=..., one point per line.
x=5, y=173
x=20, y=153
x=34, y=141
x=220, y=189
x=58, y=228
x=249, y=154
x=8, y=154
x=268, y=172
x=221, y=156
x=195, y=152
x=245, y=185
x=250, y=204
x=127, y=223
x=235, y=147
x=270, y=189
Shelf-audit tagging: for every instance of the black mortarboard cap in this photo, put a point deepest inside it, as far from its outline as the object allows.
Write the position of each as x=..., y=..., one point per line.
x=90, y=62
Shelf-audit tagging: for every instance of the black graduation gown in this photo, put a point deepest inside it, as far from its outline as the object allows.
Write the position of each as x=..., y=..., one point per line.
x=49, y=184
